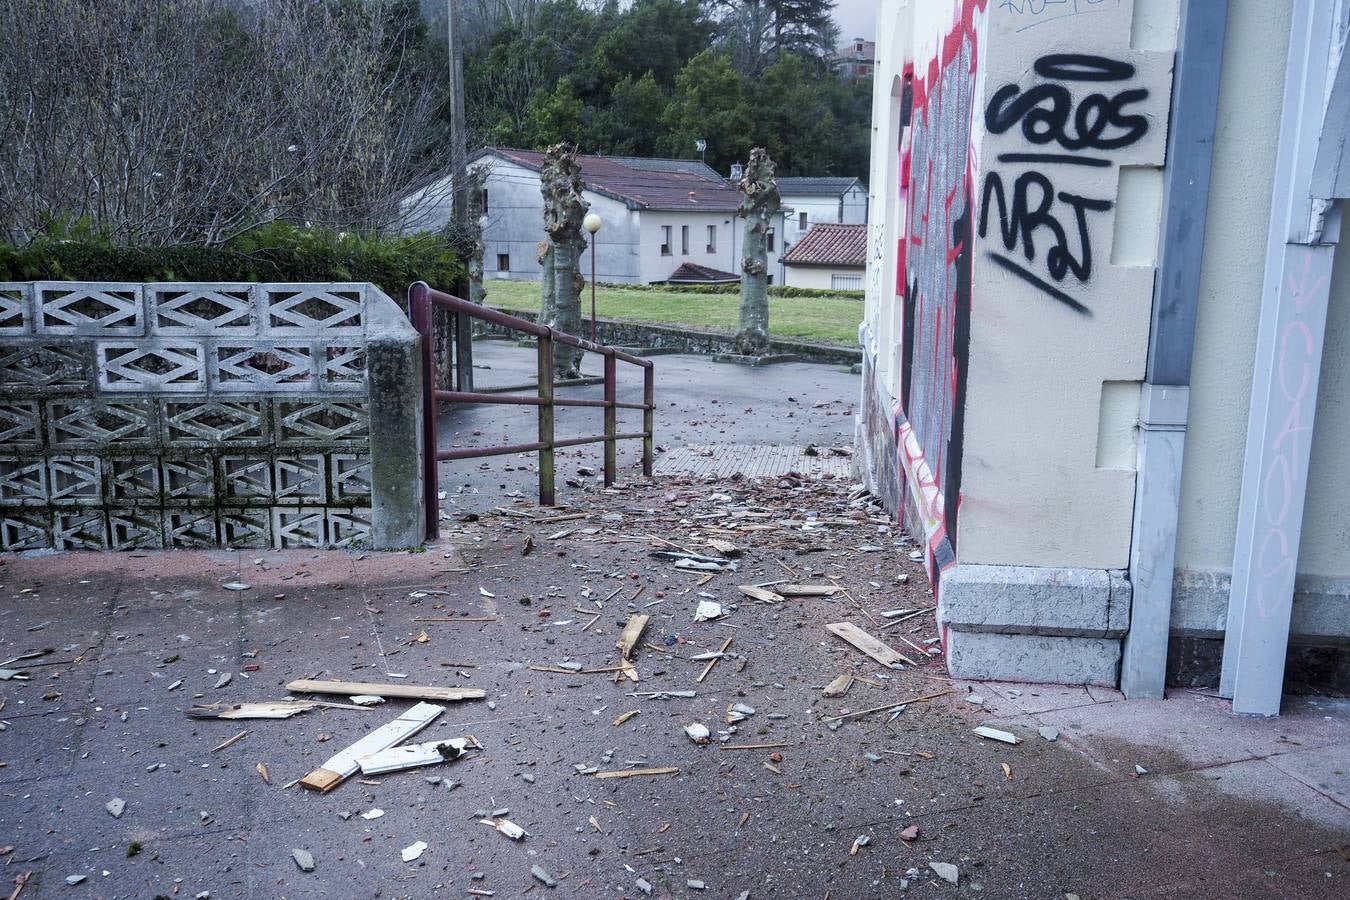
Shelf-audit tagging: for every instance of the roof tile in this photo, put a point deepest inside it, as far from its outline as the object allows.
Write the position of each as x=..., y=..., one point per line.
x=830, y=245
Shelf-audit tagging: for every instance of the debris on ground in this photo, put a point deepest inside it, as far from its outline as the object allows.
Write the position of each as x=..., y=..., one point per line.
x=345, y=764
x=542, y=876
x=863, y=641
x=304, y=859
x=506, y=827
x=402, y=691
x=115, y=807
x=1050, y=734
x=414, y=851
x=946, y=871
x=411, y=756
x=273, y=709
x=995, y=734
x=697, y=732
x=707, y=611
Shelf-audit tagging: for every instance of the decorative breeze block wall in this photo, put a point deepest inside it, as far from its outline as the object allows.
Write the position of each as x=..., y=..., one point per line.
x=171, y=415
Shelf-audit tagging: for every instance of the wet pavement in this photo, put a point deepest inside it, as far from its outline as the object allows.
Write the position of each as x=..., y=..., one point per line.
x=1225, y=807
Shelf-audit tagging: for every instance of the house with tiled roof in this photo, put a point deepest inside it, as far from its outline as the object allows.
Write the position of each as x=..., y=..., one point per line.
x=820, y=201
x=657, y=215
x=830, y=256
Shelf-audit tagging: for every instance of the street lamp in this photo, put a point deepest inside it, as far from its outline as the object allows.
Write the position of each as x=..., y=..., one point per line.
x=592, y=224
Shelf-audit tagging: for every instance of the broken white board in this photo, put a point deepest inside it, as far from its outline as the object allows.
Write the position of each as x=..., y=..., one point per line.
x=410, y=756
x=346, y=763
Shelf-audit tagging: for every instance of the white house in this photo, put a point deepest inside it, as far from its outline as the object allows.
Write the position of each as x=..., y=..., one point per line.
x=816, y=201
x=658, y=214
x=830, y=257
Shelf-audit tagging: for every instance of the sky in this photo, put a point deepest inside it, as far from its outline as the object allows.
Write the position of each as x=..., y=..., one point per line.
x=856, y=18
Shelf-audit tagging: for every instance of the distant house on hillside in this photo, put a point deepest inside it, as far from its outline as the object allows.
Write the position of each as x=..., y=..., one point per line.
x=658, y=214
x=820, y=201
x=830, y=256
x=856, y=59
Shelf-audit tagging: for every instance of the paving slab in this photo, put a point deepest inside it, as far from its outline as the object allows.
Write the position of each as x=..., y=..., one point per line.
x=1229, y=808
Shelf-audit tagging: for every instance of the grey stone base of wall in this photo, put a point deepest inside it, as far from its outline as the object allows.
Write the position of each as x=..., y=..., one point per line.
x=687, y=340
x=1321, y=614
x=1024, y=623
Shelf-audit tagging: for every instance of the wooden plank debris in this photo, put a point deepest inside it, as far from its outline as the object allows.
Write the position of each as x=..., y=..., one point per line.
x=712, y=662
x=868, y=644
x=995, y=734
x=401, y=691
x=267, y=709
x=411, y=756
x=885, y=706
x=726, y=548
x=228, y=741
x=631, y=634
x=636, y=773
x=808, y=590
x=769, y=746
x=759, y=593
x=345, y=764
x=839, y=686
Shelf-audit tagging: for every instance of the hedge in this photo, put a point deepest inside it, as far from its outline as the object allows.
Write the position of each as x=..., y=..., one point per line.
x=277, y=252
x=775, y=290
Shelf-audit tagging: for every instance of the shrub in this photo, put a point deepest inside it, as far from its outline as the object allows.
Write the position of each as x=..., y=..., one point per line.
x=277, y=252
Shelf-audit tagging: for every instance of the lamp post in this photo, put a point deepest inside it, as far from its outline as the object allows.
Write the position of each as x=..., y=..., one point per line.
x=592, y=224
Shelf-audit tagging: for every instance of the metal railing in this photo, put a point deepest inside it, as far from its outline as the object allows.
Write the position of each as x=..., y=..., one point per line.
x=423, y=299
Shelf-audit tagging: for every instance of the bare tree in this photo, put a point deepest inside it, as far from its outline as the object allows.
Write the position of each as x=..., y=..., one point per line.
x=177, y=121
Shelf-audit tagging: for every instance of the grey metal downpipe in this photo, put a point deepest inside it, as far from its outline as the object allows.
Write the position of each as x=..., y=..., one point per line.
x=1166, y=390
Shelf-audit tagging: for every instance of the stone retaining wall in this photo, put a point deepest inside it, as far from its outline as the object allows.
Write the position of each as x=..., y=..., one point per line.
x=200, y=415
x=686, y=340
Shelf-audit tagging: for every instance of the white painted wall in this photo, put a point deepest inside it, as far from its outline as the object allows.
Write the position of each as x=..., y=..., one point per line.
x=820, y=277
x=851, y=209
x=656, y=267
x=514, y=225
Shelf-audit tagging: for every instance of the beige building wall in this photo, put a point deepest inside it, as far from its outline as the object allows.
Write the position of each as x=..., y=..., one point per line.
x=1230, y=300
x=1056, y=353
x=1230, y=283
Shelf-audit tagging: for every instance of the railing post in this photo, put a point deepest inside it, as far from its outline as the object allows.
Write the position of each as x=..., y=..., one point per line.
x=611, y=418
x=546, y=496
x=419, y=309
x=648, y=417
x=463, y=352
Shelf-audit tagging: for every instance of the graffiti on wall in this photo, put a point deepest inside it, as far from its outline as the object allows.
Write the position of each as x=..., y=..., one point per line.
x=1030, y=13
x=1081, y=108
x=933, y=275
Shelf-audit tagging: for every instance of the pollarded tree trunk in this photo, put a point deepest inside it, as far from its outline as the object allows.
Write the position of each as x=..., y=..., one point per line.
x=477, y=185
x=758, y=206
x=564, y=209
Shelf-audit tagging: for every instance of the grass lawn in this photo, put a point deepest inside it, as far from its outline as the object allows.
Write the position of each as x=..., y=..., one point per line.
x=829, y=320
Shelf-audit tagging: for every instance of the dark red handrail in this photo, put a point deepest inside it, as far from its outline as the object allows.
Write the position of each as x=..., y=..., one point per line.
x=422, y=299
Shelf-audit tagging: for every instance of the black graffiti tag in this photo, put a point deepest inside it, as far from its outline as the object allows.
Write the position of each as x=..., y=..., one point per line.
x=1050, y=114
x=1099, y=121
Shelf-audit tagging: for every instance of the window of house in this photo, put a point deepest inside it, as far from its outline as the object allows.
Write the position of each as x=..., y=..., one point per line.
x=846, y=282
x=485, y=202
x=684, y=240
x=503, y=262
x=712, y=238
x=801, y=221
x=770, y=237
x=770, y=280
x=665, y=240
